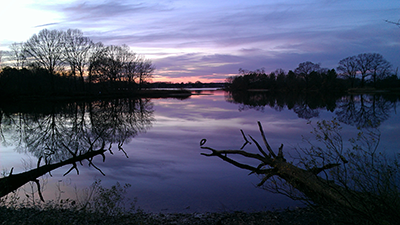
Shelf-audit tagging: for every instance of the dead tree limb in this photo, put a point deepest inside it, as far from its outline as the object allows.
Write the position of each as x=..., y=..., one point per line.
x=13, y=181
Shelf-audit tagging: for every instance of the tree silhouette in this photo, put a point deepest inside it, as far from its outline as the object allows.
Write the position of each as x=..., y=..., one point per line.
x=305, y=69
x=77, y=51
x=112, y=69
x=17, y=55
x=45, y=49
x=372, y=64
x=144, y=71
x=349, y=67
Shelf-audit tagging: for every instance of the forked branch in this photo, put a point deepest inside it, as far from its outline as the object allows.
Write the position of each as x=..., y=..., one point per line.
x=306, y=181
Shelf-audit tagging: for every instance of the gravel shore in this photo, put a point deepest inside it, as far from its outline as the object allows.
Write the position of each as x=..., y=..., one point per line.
x=297, y=216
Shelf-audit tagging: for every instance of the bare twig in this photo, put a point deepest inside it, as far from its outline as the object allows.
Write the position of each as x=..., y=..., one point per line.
x=265, y=140
x=245, y=140
x=122, y=149
x=72, y=167
x=39, y=191
x=259, y=147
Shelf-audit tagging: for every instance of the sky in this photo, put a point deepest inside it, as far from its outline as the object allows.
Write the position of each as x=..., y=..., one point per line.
x=208, y=41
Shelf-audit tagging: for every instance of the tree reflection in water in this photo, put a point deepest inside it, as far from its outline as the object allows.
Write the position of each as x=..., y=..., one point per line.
x=355, y=110
x=364, y=110
x=61, y=134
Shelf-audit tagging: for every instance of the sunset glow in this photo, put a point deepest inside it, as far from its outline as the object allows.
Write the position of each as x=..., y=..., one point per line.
x=208, y=41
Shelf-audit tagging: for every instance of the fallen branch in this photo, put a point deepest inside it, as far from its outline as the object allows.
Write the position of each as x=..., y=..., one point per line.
x=316, y=189
x=13, y=181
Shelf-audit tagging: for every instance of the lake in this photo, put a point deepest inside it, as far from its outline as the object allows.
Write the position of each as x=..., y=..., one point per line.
x=155, y=144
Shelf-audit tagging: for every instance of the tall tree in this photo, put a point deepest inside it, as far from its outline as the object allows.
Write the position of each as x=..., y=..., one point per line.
x=77, y=50
x=17, y=55
x=109, y=66
x=380, y=68
x=130, y=67
x=45, y=49
x=372, y=64
x=144, y=70
x=348, y=68
x=305, y=69
x=364, y=61
x=96, y=53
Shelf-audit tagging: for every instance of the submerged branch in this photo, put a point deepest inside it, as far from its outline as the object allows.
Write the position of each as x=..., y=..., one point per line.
x=265, y=140
x=315, y=188
x=13, y=181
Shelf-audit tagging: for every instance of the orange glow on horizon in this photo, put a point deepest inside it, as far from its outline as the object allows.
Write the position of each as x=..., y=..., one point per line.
x=186, y=80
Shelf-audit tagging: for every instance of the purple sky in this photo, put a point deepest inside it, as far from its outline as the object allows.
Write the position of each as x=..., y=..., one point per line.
x=210, y=40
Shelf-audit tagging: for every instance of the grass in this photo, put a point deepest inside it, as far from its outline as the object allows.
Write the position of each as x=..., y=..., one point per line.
x=99, y=205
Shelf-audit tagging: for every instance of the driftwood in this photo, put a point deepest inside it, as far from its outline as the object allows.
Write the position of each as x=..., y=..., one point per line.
x=316, y=189
x=14, y=181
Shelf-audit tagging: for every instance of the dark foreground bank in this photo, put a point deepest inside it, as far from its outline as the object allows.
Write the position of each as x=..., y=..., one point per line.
x=297, y=216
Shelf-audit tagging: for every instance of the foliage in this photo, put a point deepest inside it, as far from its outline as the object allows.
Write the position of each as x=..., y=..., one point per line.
x=306, y=77
x=311, y=77
x=95, y=205
x=106, y=201
x=363, y=171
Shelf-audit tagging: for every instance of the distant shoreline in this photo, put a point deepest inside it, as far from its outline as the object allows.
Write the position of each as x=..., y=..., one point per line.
x=84, y=96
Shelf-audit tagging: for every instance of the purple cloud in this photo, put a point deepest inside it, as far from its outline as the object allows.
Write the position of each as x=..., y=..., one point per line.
x=214, y=39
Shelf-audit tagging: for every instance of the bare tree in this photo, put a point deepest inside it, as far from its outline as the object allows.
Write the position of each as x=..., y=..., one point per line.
x=364, y=61
x=305, y=69
x=144, y=71
x=120, y=63
x=109, y=66
x=380, y=68
x=77, y=50
x=348, y=68
x=17, y=55
x=45, y=49
x=372, y=64
x=130, y=67
x=366, y=65
x=96, y=53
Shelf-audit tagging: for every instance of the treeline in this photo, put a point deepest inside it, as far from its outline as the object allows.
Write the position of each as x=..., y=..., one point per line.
x=60, y=62
x=363, y=70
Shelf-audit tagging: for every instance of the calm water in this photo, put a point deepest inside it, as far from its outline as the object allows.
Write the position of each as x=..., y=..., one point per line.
x=161, y=140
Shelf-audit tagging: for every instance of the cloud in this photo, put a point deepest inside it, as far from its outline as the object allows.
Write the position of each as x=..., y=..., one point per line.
x=46, y=25
x=108, y=11
x=215, y=39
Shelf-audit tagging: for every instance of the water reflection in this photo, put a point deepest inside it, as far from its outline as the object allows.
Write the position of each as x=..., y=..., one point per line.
x=165, y=167
x=61, y=134
x=364, y=110
x=356, y=110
